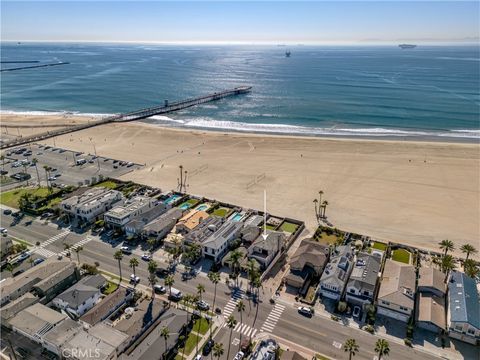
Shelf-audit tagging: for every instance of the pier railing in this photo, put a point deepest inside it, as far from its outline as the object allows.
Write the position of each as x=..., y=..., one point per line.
x=131, y=116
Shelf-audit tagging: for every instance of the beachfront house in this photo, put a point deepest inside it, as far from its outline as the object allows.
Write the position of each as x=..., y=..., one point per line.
x=136, y=226
x=88, y=206
x=191, y=220
x=308, y=262
x=463, y=315
x=362, y=285
x=161, y=226
x=397, y=291
x=264, y=250
x=336, y=273
x=121, y=215
x=216, y=246
x=430, y=309
x=203, y=231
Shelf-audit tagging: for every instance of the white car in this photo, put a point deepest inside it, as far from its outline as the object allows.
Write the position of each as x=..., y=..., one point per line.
x=3, y=231
x=159, y=289
x=126, y=250
x=198, y=357
x=239, y=356
x=146, y=257
x=134, y=279
x=305, y=311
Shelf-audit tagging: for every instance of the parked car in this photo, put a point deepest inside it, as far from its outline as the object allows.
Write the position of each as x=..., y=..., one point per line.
x=356, y=311
x=3, y=231
x=7, y=212
x=38, y=261
x=175, y=295
x=239, y=356
x=159, y=289
x=203, y=305
x=24, y=255
x=198, y=357
x=305, y=311
x=207, y=348
x=161, y=272
x=3, y=172
x=126, y=250
x=146, y=257
x=134, y=279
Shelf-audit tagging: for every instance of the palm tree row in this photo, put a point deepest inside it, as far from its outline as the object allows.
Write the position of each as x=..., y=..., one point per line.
x=382, y=348
x=320, y=207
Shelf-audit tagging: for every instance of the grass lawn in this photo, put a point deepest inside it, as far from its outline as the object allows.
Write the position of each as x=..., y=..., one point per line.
x=222, y=212
x=193, y=202
x=327, y=239
x=321, y=357
x=11, y=198
x=190, y=344
x=107, y=184
x=379, y=246
x=270, y=227
x=179, y=356
x=204, y=326
x=20, y=241
x=111, y=287
x=401, y=255
x=289, y=227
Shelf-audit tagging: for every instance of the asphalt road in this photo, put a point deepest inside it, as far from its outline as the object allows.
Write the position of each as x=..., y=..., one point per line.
x=281, y=319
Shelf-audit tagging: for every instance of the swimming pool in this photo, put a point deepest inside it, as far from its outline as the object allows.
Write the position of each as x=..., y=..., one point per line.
x=185, y=206
x=202, y=207
x=171, y=199
x=236, y=217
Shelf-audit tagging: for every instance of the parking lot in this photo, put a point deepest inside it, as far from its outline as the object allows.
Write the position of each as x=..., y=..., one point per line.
x=66, y=167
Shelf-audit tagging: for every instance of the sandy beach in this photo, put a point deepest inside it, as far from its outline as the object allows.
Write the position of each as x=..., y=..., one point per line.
x=415, y=193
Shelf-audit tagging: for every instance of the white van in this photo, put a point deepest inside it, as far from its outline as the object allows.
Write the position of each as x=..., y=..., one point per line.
x=81, y=162
x=175, y=295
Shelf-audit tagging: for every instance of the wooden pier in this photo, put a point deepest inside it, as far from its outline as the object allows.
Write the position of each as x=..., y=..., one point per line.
x=131, y=116
x=34, y=66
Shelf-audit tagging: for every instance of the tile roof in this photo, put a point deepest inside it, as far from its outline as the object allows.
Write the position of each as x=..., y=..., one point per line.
x=365, y=272
x=309, y=252
x=105, y=306
x=433, y=278
x=431, y=308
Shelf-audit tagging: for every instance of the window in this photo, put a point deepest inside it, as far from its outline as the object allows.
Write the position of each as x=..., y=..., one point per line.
x=385, y=302
x=458, y=328
x=351, y=291
x=470, y=331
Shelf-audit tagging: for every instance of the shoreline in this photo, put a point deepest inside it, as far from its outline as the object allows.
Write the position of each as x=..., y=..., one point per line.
x=444, y=136
x=412, y=192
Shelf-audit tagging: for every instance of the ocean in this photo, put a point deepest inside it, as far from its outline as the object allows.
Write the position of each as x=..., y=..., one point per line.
x=384, y=91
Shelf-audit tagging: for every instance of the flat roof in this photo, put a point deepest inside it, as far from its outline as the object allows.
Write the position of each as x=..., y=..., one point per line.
x=37, y=319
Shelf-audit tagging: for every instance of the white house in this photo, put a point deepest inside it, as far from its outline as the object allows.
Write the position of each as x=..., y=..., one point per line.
x=363, y=279
x=216, y=246
x=336, y=273
x=88, y=206
x=78, y=299
x=119, y=216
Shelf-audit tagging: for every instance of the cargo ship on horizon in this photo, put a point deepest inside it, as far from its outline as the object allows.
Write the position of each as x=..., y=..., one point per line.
x=407, y=46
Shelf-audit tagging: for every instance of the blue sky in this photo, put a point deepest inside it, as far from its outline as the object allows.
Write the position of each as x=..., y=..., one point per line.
x=230, y=21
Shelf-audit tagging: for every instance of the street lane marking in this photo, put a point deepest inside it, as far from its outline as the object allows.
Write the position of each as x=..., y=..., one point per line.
x=337, y=344
x=273, y=318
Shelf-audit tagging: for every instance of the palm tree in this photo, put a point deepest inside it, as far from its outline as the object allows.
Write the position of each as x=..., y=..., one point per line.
x=231, y=323
x=382, y=348
x=448, y=264
x=152, y=269
x=151, y=244
x=446, y=245
x=9, y=267
x=471, y=269
x=31, y=261
x=217, y=350
x=34, y=162
x=133, y=263
x=252, y=271
x=77, y=250
x=200, y=290
x=324, y=206
x=468, y=249
x=165, y=333
x=169, y=281
x=214, y=277
x=315, y=205
x=47, y=175
x=234, y=260
x=257, y=284
x=119, y=256
x=2, y=158
x=320, y=193
x=351, y=347
x=25, y=172
x=240, y=308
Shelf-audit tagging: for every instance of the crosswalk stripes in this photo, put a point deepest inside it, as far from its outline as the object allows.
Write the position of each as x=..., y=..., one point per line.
x=243, y=329
x=273, y=318
x=78, y=244
x=47, y=253
x=44, y=252
x=232, y=303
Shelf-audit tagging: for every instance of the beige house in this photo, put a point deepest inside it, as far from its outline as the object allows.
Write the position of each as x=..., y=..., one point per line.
x=397, y=291
x=191, y=220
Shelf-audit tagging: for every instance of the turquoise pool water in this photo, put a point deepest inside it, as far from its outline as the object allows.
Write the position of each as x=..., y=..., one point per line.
x=171, y=199
x=202, y=207
x=236, y=217
x=184, y=206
